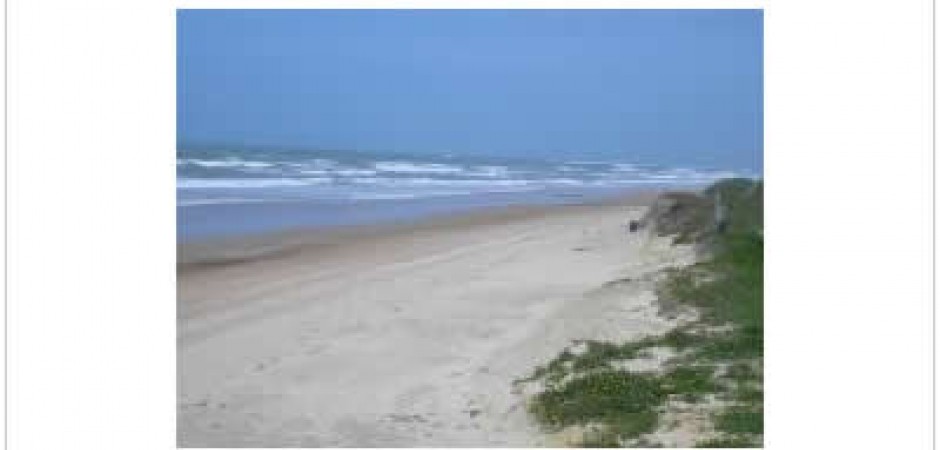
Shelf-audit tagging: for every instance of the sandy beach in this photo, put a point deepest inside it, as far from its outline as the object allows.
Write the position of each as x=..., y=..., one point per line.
x=406, y=335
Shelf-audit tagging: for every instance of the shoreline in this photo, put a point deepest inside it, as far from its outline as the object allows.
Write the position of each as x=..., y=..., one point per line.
x=403, y=335
x=217, y=249
x=232, y=221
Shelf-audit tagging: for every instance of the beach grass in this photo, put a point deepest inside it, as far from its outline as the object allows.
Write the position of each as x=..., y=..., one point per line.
x=719, y=356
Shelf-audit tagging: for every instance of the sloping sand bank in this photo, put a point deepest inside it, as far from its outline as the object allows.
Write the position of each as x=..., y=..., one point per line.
x=404, y=336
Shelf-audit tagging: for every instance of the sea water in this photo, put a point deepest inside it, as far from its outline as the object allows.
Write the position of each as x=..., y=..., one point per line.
x=230, y=191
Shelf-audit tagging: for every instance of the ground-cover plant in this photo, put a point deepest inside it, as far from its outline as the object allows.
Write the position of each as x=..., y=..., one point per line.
x=719, y=356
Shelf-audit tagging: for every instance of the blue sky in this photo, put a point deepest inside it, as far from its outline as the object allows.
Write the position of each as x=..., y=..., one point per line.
x=661, y=86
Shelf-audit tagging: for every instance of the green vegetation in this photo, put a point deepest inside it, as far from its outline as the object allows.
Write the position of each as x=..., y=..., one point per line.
x=607, y=396
x=745, y=201
x=740, y=420
x=728, y=442
x=718, y=360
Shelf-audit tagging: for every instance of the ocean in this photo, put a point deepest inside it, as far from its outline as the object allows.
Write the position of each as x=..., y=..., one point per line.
x=224, y=192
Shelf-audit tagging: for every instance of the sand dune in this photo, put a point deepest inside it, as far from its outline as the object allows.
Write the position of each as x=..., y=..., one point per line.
x=402, y=336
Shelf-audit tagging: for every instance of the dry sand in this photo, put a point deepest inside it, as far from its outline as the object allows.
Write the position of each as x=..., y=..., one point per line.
x=403, y=336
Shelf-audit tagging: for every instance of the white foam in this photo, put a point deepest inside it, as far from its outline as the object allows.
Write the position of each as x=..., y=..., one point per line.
x=250, y=183
x=564, y=181
x=661, y=176
x=225, y=163
x=315, y=164
x=354, y=172
x=409, y=167
x=439, y=182
x=333, y=169
x=490, y=171
x=587, y=163
x=631, y=181
x=686, y=174
x=621, y=167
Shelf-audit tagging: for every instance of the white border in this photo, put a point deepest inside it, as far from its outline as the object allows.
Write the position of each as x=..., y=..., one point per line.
x=479, y=4
x=849, y=216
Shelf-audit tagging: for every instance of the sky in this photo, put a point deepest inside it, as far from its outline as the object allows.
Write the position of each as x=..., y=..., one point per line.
x=654, y=86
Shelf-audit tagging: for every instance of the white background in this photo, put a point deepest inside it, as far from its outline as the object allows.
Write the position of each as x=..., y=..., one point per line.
x=91, y=244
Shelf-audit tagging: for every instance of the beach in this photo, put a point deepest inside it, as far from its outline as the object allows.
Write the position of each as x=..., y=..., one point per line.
x=408, y=334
